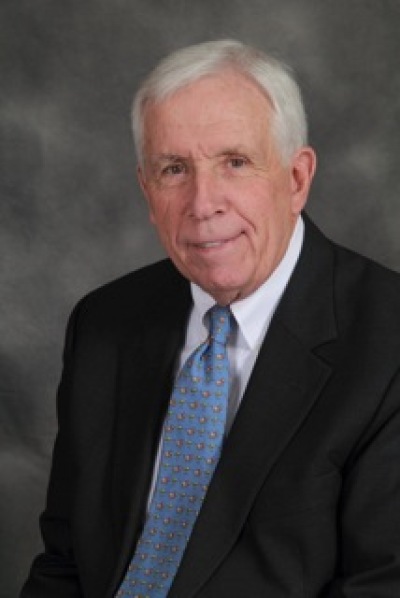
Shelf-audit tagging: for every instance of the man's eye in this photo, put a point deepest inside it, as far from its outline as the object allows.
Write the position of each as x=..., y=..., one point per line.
x=237, y=162
x=173, y=169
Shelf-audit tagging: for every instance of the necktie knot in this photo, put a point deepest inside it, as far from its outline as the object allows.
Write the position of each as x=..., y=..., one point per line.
x=220, y=323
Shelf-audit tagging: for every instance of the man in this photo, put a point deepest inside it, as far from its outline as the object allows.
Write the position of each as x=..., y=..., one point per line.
x=300, y=495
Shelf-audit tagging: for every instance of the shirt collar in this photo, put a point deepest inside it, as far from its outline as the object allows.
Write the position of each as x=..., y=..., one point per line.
x=254, y=313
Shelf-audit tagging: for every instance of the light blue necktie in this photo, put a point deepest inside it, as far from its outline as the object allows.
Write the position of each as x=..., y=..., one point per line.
x=192, y=439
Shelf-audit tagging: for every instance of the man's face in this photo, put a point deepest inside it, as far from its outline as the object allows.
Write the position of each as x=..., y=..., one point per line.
x=223, y=203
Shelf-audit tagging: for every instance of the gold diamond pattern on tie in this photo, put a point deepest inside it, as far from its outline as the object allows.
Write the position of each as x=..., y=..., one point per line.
x=192, y=440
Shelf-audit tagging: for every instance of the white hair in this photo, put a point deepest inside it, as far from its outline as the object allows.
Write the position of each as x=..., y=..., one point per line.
x=185, y=66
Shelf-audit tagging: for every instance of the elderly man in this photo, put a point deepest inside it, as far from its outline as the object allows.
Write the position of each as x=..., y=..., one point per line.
x=229, y=417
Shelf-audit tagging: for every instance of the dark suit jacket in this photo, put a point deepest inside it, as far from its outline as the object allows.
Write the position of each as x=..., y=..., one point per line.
x=305, y=501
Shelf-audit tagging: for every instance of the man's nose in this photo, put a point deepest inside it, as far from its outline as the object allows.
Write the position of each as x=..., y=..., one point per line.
x=206, y=195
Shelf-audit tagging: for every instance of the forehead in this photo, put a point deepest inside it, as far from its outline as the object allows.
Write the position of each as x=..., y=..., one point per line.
x=226, y=104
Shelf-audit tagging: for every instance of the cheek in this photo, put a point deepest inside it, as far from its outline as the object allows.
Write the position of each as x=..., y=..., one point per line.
x=256, y=207
x=165, y=218
x=158, y=209
x=268, y=214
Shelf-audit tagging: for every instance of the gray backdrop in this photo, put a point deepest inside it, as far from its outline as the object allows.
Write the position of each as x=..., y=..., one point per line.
x=71, y=213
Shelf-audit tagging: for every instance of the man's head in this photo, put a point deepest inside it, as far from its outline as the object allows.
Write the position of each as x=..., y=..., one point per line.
x=220, y=132
x=289, y=123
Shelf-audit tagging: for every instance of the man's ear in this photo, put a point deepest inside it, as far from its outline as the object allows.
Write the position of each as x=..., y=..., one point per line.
x=142, y=180
x=303, y=168
x=145, y=190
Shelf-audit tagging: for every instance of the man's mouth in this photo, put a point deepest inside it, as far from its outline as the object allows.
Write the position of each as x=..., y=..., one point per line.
x=210, y=244
x=215, y=244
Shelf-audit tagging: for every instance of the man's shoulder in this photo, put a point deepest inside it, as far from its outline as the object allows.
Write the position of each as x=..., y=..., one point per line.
x=367, y=297
x=366, y=278
x=144, y=281
x=148, y=290
x=357, y=273
x=366, y=294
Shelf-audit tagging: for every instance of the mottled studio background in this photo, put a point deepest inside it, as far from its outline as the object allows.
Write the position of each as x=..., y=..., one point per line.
x=71, y=216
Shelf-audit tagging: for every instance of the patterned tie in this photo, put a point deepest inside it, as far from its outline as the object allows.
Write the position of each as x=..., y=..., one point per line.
x=192, y=439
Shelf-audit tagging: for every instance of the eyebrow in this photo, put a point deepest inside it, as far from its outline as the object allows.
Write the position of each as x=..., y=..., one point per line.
x=232, y=151
x=228, y=151
x=165, y=158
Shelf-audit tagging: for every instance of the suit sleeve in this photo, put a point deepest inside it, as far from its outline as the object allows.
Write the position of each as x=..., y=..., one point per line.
x=369, y=514
x=54, y=573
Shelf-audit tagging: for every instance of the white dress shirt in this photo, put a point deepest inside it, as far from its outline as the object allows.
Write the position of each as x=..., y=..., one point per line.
x=253, y=316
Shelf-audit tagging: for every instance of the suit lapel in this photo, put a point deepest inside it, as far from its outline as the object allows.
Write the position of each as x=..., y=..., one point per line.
x=147, y=359
x=286, y=381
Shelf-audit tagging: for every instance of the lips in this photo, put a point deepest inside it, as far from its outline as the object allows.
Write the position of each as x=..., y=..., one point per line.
x=209, y=244
x=215, y=243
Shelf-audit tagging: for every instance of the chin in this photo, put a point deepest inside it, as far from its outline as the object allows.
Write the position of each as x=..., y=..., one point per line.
x=223, y=288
